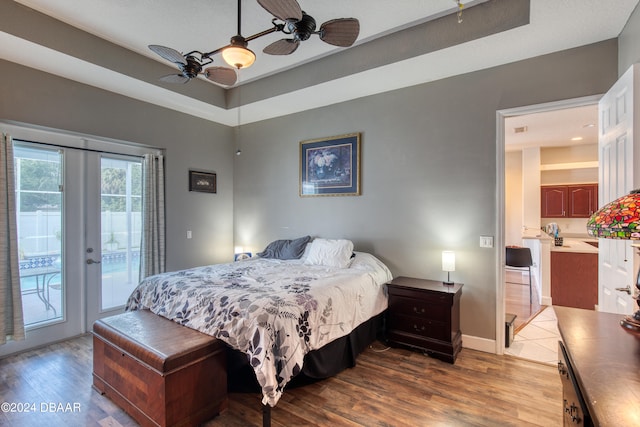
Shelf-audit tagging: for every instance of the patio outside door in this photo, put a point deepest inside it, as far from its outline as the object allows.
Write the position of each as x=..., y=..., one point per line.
x=114, y=227
x=79, y=228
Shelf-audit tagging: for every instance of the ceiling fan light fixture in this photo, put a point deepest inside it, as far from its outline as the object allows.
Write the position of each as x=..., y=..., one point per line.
x=237, y=54
x=299, y=26
x=239, y=57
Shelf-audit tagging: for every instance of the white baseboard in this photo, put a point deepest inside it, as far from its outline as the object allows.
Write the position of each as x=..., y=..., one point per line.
x=546, y=301
x=480, y=344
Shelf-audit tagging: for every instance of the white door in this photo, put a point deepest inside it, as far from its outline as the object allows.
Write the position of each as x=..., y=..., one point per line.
x=617, y=147
x=49, y=278
x=113, y=232
x=79, y=228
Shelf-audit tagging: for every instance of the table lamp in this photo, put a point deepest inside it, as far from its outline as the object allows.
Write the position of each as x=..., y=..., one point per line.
x=620, y=219
x=448, y=265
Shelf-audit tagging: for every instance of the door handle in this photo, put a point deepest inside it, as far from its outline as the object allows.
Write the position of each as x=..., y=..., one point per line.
x=92, y=261
x=627, y=289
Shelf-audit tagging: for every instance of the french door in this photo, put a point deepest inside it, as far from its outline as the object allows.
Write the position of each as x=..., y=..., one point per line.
x=79, y=229
x=113, y=230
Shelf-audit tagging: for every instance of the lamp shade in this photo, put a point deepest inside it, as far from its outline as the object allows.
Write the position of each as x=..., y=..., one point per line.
x=238, y=56
x=448, y=261
x=619, y=219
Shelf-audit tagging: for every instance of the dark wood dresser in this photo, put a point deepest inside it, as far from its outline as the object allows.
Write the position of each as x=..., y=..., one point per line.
x=425, y=314
x=601, y=362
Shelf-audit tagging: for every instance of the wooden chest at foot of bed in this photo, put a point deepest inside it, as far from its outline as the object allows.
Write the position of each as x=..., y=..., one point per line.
x=159, y=372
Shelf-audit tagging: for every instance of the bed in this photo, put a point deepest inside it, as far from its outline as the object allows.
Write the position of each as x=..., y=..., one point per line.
x=276, y=308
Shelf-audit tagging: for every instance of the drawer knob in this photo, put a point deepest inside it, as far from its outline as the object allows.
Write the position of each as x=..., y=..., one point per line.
x=575, y=416
x=562, y=369
x=416, y=310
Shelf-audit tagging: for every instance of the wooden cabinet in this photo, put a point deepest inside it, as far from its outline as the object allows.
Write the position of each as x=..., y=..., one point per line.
x=575, y=410
x=425, y=314
x=583, y=200
x=568, y=201
x=598, y=368
x=554, y=202
x=574, y=279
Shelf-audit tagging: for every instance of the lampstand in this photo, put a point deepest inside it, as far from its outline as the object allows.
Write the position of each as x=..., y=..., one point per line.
x=631, y=323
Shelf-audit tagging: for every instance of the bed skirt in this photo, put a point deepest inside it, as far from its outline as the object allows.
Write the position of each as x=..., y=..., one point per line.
x=318, y=364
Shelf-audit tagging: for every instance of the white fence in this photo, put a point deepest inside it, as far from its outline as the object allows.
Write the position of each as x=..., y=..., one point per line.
x=40, y=232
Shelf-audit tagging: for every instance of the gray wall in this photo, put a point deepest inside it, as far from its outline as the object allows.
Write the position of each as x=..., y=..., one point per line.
x=37, y=98
x=628, y=43
x=428, y=170
x=428, y=164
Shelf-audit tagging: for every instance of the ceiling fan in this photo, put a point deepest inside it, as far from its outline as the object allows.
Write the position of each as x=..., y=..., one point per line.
x=341, y=32
x=296, y=23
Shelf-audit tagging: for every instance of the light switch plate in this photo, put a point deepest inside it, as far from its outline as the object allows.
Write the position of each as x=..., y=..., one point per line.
x=486, y=241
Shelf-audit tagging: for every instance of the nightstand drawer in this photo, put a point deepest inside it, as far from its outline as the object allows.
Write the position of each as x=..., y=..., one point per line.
x=418, y=307
x=439, y=298
x=419, y=326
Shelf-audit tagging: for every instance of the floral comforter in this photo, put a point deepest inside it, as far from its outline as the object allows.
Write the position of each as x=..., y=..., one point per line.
x=275, y=311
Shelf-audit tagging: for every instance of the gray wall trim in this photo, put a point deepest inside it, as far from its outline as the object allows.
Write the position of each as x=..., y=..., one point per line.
x=28, y=24
x=481, y=20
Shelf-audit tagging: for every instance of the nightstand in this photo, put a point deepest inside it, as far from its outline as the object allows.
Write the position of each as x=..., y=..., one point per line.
x=425, y=314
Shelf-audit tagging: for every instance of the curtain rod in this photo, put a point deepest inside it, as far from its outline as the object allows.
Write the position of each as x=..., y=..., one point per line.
x=93, y=150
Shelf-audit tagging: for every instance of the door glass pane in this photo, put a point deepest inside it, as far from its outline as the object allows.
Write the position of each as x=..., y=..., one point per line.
x=39, y=206
x=121, y=213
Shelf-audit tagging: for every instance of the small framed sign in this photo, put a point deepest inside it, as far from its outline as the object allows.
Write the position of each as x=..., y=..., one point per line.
x=204, y=182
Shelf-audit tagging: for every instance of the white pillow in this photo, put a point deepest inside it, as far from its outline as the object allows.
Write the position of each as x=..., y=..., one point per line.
x=330, y=252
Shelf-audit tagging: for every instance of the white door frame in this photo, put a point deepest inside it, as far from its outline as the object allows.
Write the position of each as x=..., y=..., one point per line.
x=75, y=221
x=501, y=116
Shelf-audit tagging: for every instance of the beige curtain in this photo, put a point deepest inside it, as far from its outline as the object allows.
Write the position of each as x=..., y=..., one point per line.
x=11, y=320
x=152, y=248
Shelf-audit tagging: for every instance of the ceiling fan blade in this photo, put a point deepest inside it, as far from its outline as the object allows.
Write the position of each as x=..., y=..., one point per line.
x=168, y=54
x=222, y=75
x=340, y=32
x=282, y=9
x=282, y=47
x=174, y=78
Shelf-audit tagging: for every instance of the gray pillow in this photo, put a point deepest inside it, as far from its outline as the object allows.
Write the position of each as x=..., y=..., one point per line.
x=285, y=249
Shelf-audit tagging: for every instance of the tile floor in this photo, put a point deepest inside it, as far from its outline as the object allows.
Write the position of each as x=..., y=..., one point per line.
x=538, y=340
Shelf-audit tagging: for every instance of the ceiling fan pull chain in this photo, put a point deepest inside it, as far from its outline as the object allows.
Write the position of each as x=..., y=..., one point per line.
x=460, y=7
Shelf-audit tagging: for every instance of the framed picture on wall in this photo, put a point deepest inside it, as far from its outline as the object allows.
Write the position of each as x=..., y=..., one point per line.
x=203, y=182
x=330, y=166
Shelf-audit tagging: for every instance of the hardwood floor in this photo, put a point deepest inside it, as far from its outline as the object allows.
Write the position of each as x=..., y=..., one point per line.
x=517, y=299
x=388, y=387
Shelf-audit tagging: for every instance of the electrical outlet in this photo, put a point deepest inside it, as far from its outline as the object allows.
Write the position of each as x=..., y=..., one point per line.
x=486, y=241
x=189, y=234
